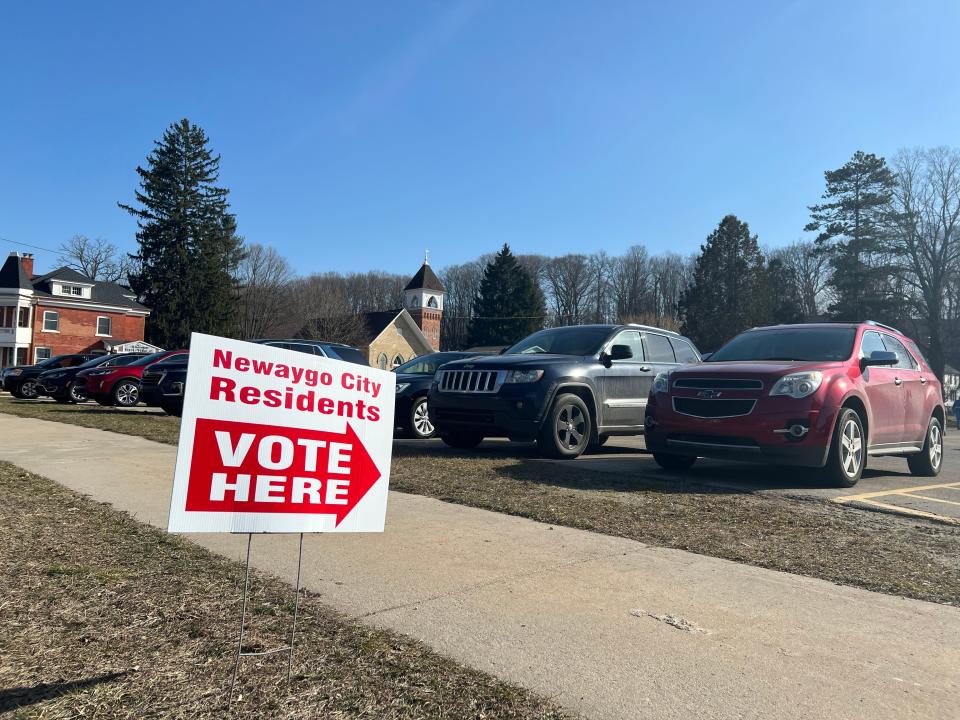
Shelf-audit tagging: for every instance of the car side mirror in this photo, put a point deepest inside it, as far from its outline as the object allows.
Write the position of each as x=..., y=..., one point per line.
x=620, y=352
x=879, y=358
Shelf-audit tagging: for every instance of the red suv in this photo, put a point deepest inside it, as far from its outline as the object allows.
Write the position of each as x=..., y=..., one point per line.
x=820, y=395
x=119, y=385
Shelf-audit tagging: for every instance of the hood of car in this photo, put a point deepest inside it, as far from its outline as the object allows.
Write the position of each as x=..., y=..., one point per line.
x=413, y=377
x=501, y=362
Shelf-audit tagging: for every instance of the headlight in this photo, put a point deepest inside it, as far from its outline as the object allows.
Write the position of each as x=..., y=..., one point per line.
x=523, y=376
x=661, y=383
x=798, y=385
x=16, y=371
x=401, y=387
x=100, y=372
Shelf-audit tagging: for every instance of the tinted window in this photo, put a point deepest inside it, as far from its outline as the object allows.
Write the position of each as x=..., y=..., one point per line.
x=799, y=343
x=428, y=364
x=684, y=351
x=74, y=361
x=659, y=349
x=351, y=355
x=917, y=353
x=630, y=338
x=904, y=360
x=563, y=341
x=300, y=348
x=55, y=362
x=871, y=343
x=99, y=360
x=126, y=360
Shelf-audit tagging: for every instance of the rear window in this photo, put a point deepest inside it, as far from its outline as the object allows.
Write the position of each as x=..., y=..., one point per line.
x=812, y=344
x=351, y=355
x=658, y=348
x=684, y=351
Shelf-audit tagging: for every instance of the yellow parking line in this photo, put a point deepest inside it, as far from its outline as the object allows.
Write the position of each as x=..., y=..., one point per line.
x=927, y=497
x=910, y=511
x=896, y=491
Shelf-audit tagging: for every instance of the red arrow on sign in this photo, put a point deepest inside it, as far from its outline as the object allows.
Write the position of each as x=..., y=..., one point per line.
x=251, y=468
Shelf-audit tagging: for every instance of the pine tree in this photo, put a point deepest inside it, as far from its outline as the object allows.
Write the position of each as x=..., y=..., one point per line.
x=730, y=291
x=189, y=248
x=853, y=231
x=510, y=304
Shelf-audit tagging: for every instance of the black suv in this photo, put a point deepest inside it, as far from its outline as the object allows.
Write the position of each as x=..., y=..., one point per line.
x=567, y=387
x=21, y=380
x=162, y=384
x=413, y=383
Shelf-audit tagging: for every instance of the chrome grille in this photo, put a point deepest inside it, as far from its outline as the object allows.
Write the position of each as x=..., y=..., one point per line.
x=717, y=383
x=471, y=381
x=702, y=408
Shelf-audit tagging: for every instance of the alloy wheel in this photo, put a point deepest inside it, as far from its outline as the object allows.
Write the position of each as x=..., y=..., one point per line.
x=936, y=445
x=851, y=448
x=29, y=389
x=571, y=425
x=421, y=420
x=76, y=395
x=128, y=394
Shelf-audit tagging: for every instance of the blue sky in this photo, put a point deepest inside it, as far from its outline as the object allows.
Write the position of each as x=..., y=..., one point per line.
x=356, y=134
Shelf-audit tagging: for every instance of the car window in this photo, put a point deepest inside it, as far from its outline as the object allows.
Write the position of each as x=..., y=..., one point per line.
x=301, y=348
x=573, y=340
x=658, y=348
x=74, y=361
x=870, y=344
x=917, y=352
x=789, y=344
x=905, y=360
x=349, y=354
x=684, y=351
x=630, y=338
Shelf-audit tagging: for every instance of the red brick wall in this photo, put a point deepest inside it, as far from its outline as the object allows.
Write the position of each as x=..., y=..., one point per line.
x=78, y=330
x=429, y=322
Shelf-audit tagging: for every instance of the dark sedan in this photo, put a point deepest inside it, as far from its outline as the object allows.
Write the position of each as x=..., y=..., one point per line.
x=162, y=384
x=413, y=384
x=21, y=380
x=61, y=383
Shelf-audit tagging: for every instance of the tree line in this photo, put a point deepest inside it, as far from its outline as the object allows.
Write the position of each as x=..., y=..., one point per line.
x=886, y=247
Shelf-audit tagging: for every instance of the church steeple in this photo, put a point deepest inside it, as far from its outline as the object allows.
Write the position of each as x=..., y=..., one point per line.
x=423, y=298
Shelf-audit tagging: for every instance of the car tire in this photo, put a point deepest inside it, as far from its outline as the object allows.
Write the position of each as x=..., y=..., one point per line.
x=419, y=426
x=27, y=390
x=462, y=440
x=76, y=394
x=848, y=450
x=929, y=461
x=170, y=409
x=126, y=393
x=674, y=463
x=566, y=431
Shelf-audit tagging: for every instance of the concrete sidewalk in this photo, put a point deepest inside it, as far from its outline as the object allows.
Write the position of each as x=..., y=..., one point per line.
x=570, y=614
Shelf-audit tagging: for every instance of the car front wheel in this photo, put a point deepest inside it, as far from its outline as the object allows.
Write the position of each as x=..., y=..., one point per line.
x=27, y=390
x=927, y=462
x=566, y=432
x=76, y=394
x=126, y=393
x=848, y=450
x=419, y=423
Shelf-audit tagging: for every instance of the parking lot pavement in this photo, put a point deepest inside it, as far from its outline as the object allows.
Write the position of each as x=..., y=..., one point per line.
x=887, y=484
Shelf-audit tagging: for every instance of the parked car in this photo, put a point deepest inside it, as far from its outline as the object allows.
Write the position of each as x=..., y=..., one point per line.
x=567, y=387
x=21, y=380
x=61, y=383
x=820, y=395
x=414, y=378
x=334, y=351
x=162, y=384
x=119, y=385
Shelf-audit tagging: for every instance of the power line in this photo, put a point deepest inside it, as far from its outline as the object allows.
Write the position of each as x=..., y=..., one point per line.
x=23, y=244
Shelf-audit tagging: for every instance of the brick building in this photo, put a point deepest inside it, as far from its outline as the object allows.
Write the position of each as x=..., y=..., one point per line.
x=64, y=312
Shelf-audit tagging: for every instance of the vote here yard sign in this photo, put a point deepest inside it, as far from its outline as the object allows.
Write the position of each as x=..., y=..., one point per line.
x=274, y=440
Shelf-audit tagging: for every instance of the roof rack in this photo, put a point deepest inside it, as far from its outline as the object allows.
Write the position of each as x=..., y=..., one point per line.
x=879, y=324
x=641, y=326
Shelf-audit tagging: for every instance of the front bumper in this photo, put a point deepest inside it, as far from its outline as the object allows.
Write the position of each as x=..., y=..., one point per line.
x=757, y=437
x=162, y=393
x=513, y=412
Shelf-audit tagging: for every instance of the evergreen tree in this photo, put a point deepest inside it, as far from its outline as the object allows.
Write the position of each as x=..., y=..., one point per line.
x=510, y=304
x=730, y=291
x=189, y=248
x=853, y=231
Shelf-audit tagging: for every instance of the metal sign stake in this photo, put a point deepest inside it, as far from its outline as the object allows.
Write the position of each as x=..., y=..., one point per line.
x=243, y=614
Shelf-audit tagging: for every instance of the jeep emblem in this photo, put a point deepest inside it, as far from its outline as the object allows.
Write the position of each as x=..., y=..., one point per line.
x=709, y=394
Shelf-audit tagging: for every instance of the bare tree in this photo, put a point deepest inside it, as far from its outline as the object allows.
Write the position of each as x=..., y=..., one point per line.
x=926, y=218
x=569, y=281
x=95, y=258
x=463, y=284
x=631, y=283
x=262, y=280
x=809, y=272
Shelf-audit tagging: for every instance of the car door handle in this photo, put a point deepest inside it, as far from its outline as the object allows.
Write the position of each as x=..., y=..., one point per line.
x=644, y=368
x=923, y=381
x=897, y=381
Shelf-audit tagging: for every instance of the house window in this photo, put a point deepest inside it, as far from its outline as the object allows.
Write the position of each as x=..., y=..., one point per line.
x=71, y=290
x=23, y=317
x=104, y=326
x=397, y=360
x=42, y=353
x=21, y=356
x=382, y=361
x=432, y=302
x=51, y=321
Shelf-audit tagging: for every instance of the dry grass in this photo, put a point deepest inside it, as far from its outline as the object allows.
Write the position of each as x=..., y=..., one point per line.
x=912, y=558
x=102, y=617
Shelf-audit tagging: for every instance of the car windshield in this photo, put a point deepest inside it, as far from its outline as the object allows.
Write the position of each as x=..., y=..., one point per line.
x=428, y=364
x=56, y=361
x=789, y=344
x=580, y=340
x=349, y=354
x=93, y=362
